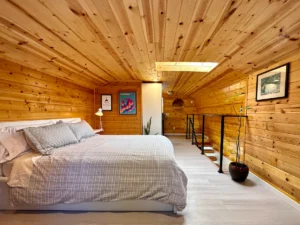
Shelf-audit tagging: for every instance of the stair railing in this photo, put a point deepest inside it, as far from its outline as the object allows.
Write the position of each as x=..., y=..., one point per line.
x=190, y=122
x=194, y=136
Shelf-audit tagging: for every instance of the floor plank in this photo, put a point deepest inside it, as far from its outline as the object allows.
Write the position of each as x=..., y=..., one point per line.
x=213, y=199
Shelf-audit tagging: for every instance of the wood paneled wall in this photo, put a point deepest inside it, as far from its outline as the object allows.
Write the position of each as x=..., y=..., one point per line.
x=272, y=130
x=27, y=94
x=112, y=122
x=273, y=135
x=224, y=96
x=176, y=118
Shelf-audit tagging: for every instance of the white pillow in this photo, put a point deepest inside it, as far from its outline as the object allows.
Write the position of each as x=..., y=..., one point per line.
x=12, y=145
x=7, y=130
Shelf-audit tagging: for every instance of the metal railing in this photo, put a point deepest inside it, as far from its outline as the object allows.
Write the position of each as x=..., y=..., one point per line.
x=190, y=122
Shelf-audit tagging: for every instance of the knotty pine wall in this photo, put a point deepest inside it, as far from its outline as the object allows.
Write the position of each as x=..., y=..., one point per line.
x=273, y=135
x=112, y=122
x=177, y=117
x=224, y=96
x=27, y=94
x=272, y=130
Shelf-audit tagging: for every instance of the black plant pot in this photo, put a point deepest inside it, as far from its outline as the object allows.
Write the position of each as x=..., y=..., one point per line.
x=238, y=171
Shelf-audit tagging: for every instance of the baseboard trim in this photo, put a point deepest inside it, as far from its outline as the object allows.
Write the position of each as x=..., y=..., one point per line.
x=290, y=201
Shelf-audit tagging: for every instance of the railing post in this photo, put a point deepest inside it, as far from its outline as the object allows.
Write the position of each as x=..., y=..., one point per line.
x=189, y=129
x=193, y=119
x=192, y=125
x=186, y=126
x=202, y=144
x=221, y=144
x=193, y=129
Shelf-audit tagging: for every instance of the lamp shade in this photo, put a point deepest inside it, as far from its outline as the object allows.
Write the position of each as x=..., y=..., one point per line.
x=99, y=113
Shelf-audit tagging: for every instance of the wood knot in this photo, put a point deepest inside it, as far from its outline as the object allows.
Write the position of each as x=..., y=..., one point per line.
x=22, y=42
x=293, y=39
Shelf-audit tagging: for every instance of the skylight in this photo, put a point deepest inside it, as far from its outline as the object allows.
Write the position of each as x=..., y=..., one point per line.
x=186, y=66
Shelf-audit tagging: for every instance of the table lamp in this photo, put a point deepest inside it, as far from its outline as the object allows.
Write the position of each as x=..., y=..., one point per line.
x=100, y=113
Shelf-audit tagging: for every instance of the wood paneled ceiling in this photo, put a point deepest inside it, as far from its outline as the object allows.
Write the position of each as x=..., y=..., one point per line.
x=96, y=42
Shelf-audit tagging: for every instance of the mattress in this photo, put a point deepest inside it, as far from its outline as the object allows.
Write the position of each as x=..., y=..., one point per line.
x=101, y=169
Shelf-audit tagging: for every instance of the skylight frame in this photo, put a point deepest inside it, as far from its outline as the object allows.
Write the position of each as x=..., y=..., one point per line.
x=203, y=67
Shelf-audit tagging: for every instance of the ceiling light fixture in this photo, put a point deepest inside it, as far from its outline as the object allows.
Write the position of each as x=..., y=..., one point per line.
x=186, y=66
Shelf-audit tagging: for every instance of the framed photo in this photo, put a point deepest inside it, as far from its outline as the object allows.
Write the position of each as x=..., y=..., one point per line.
x=273, y=83
x=106, y=102
x=127, y=103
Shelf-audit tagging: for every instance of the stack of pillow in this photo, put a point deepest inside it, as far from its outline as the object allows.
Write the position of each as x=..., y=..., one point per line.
x=42, y=139
x=12, y=144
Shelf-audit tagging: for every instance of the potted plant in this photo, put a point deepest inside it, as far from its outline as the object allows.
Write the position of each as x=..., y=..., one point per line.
x=238, y=170
x=148, y=127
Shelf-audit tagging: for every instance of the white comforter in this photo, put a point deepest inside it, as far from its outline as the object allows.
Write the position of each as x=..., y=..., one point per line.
x=102, y=168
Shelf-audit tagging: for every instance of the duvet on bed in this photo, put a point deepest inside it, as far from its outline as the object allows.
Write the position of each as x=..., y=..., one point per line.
x=103, y=168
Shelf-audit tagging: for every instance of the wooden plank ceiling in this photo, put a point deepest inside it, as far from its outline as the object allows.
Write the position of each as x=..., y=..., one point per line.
x=96, y=42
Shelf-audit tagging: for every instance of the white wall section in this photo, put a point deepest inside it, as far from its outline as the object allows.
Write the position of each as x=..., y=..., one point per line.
x=152, y=106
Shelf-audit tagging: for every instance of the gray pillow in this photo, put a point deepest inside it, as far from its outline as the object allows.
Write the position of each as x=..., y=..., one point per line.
x=81, y=129
x=44, y=139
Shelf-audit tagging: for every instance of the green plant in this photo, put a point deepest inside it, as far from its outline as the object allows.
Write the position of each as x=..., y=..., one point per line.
x=238, y=141
x=238, y=144
x=148, y=127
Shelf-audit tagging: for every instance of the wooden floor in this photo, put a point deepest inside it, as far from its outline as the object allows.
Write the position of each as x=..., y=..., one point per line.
x=213, y=199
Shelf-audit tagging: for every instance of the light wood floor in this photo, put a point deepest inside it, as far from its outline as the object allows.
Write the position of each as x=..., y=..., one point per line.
x=213, y=199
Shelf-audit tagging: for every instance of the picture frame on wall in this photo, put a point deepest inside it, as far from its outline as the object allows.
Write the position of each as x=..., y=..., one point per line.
x=127, y=103
x=106, y=102
x=273, y=84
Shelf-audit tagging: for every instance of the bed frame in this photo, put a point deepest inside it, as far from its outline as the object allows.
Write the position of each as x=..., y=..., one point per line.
x=125, y=205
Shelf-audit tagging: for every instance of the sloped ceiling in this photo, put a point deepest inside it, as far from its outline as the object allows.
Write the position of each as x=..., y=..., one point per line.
x=97, y=42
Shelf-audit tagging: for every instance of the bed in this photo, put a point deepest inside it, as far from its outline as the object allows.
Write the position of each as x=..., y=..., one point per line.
x=101, y=173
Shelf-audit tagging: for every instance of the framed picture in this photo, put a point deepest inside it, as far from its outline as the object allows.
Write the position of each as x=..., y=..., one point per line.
x=106, y=102
x=273, y=83
x=127, y=103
